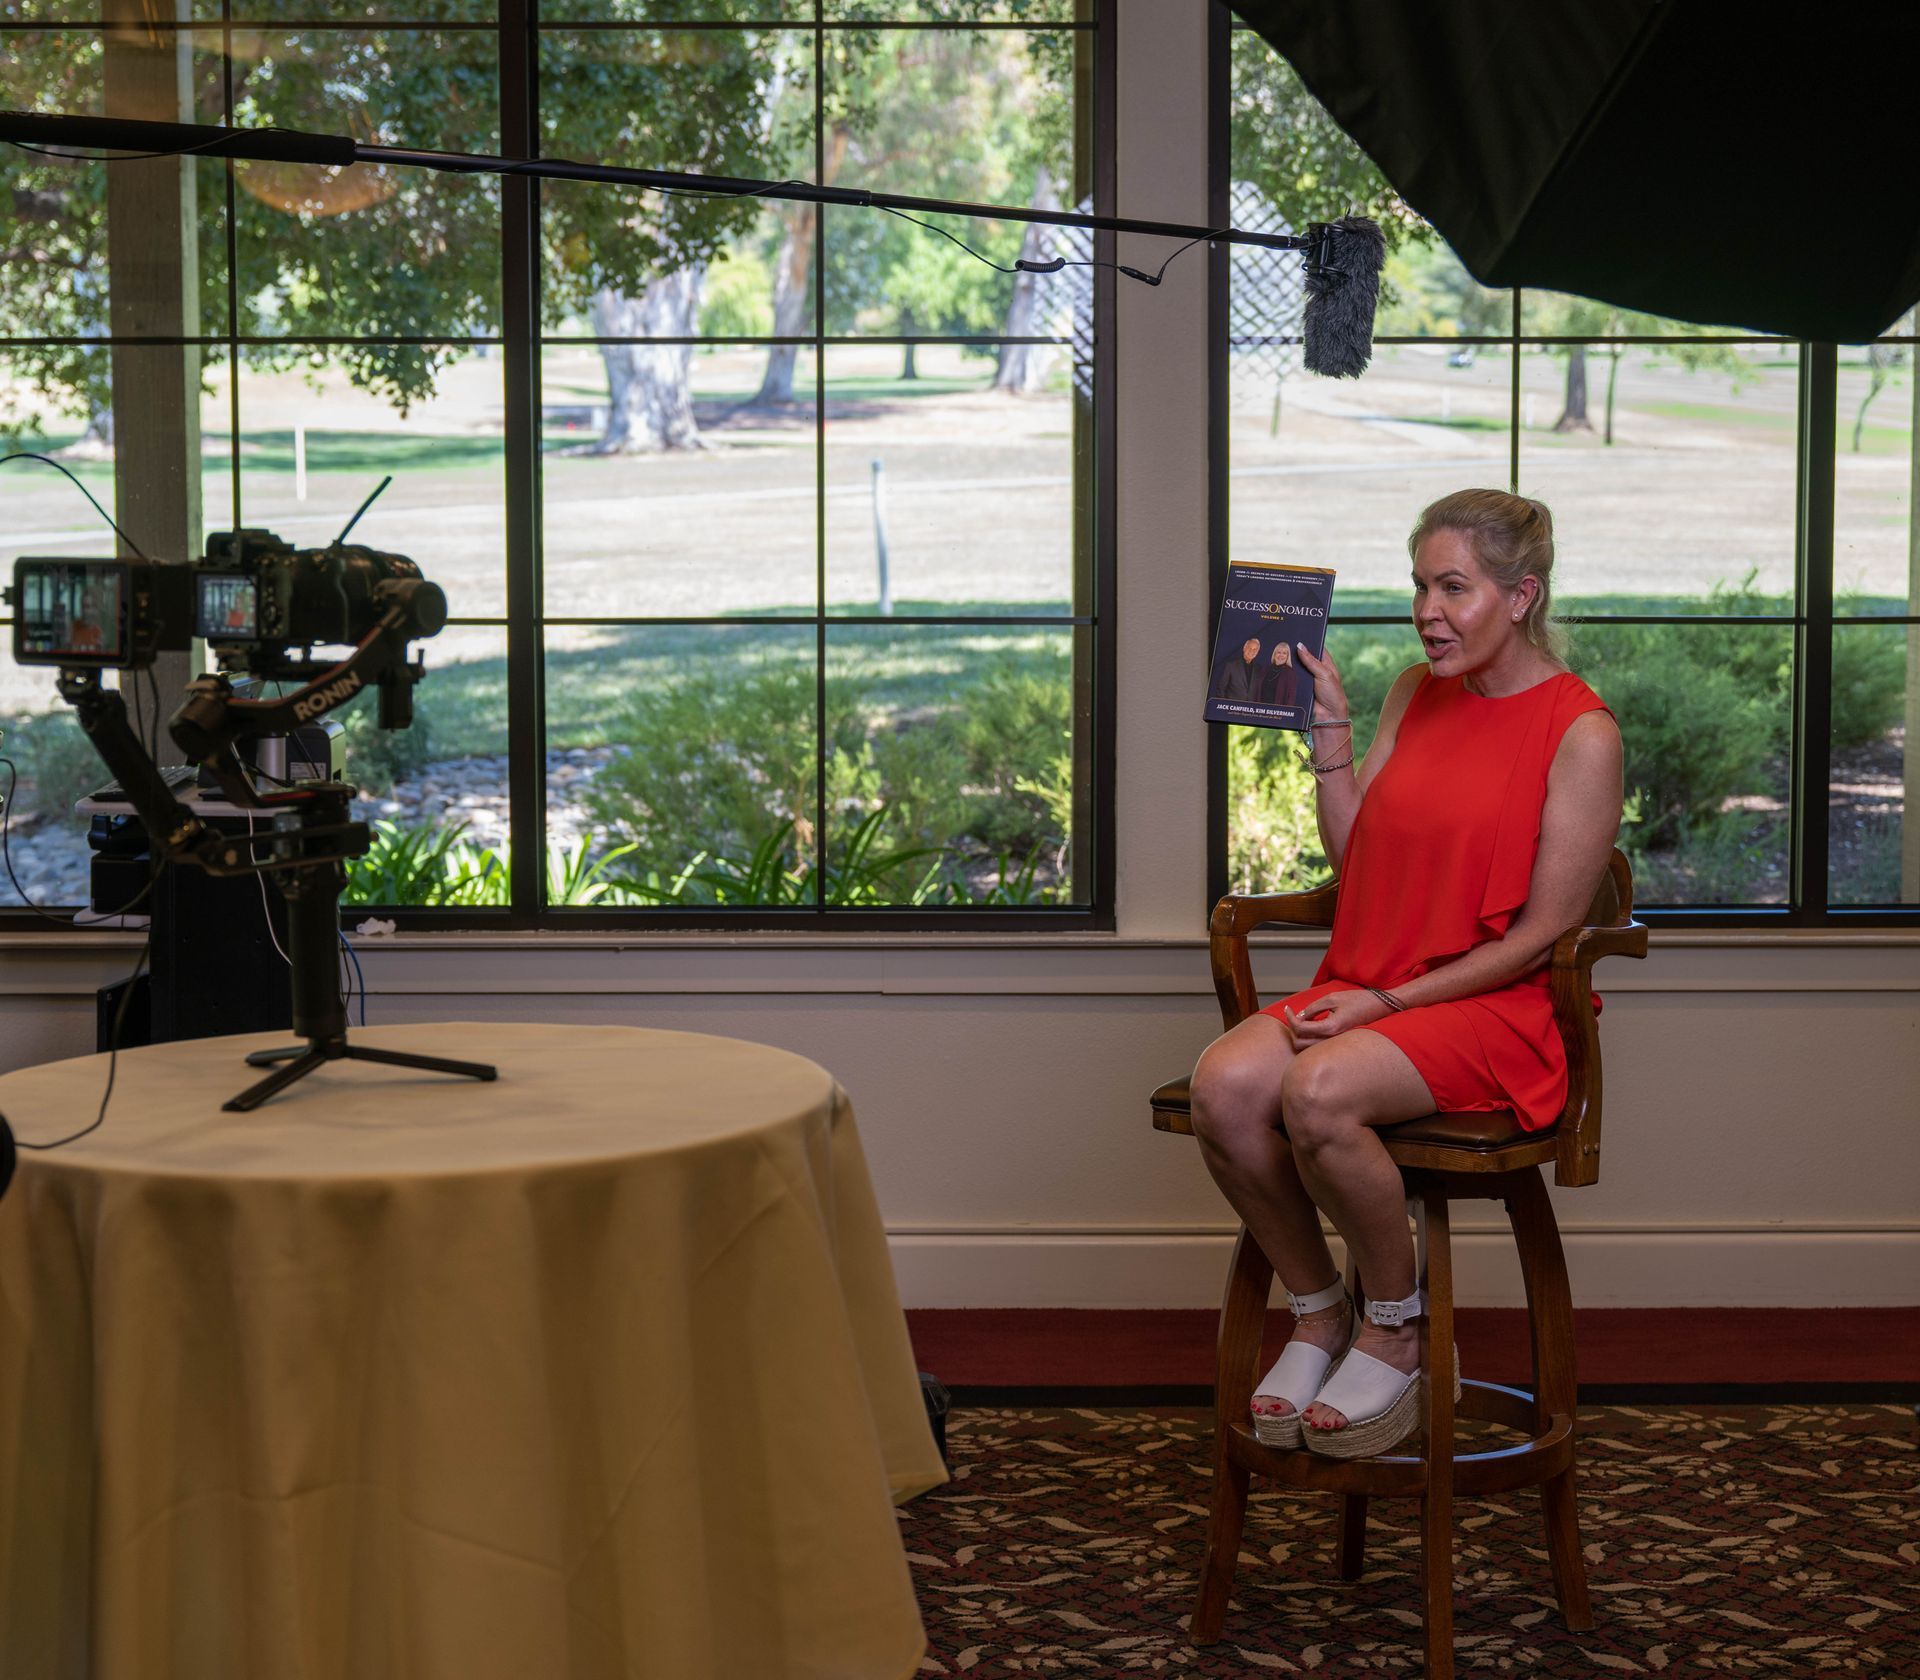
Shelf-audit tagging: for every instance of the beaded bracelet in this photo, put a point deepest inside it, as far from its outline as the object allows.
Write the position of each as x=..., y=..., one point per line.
x=1387, y=998
x=1328, y=723
x=1328, y=769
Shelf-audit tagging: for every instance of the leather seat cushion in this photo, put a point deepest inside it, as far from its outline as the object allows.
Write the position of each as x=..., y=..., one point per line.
x=1491, y=1130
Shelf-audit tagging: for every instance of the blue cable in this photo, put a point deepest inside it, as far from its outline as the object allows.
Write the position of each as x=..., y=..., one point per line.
x=359, y=974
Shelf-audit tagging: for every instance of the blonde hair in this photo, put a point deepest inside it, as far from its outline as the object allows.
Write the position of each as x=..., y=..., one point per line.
x=1512, y=538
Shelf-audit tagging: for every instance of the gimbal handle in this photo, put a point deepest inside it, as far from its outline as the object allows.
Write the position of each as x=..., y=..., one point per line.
x=210, y=721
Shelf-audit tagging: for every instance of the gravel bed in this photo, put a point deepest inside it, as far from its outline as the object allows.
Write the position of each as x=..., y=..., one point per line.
x=51, y=860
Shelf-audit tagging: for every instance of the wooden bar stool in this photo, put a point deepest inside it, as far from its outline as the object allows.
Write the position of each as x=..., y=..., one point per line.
x=1443, y=1158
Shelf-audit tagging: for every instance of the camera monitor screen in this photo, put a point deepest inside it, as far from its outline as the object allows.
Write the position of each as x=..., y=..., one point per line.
x=225, y=606
x=72, y=612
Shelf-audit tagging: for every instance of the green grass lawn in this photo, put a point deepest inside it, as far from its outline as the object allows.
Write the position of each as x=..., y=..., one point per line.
x=590, y=690
x=593, y=691
x=369, y=453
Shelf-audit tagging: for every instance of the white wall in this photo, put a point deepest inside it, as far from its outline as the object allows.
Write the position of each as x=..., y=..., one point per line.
x=1761, y=1131
x=1763, y=1094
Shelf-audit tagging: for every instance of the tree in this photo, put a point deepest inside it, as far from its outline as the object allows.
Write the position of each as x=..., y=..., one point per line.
x=1283, y=142
x=1882, y=359
x=1561, y=315
x=975, y=115
x=366, y=251
x=1020, y=366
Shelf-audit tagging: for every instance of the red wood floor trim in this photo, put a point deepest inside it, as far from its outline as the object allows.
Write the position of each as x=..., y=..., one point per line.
x=1074, y=1347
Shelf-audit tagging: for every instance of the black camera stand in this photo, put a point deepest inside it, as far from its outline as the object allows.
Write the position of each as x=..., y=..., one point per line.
x=308, y=856
x=312, y=886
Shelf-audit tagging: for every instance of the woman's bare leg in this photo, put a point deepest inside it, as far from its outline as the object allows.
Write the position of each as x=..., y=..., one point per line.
x=1334, y=1094
x=1236, y=1117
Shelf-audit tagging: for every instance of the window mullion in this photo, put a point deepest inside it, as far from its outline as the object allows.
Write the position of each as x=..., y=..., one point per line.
x=1813, y=633
x=520, y=378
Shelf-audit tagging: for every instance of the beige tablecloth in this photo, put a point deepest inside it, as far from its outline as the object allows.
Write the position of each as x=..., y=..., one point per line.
x=595, y=1371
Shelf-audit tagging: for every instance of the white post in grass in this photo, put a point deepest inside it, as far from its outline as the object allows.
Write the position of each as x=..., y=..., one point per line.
x=299, y=462
x=880, y=537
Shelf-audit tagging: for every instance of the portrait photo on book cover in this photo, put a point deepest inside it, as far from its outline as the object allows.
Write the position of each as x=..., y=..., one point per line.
x=1266, y=612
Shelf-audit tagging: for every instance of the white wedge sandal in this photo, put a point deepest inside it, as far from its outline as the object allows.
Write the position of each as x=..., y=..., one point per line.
x=1300, y=1370
x=1381, y=1405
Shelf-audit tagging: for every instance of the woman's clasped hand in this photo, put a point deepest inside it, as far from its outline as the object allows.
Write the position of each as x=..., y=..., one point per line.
x=1333, y=1014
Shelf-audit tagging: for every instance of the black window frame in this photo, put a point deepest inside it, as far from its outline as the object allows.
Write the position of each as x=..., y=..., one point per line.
x=1812, y=620
x=517, y=26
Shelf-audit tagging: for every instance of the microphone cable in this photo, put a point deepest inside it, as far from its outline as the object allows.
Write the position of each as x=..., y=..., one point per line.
x=8, y=1141
x=1024, y=265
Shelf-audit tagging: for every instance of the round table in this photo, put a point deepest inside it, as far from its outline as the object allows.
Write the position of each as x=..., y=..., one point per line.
x=598, y=1370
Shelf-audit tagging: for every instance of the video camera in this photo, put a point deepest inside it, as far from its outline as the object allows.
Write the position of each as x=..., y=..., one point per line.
x=262, y=605
x=252, y=596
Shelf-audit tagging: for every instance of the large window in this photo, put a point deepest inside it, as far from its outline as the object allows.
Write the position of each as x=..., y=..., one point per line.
x=1734, y=518
x=778, y=558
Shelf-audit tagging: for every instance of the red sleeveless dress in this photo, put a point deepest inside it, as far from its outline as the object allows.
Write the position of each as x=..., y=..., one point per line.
x=1440, y=860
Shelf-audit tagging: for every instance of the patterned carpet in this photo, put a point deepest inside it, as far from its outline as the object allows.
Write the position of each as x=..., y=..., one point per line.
x=1736, y=1540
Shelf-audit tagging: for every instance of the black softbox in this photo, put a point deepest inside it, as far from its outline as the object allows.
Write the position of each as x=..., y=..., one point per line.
x=1747, y=166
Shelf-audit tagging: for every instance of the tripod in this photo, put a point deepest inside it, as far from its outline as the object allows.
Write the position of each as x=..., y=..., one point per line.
x=312, y=890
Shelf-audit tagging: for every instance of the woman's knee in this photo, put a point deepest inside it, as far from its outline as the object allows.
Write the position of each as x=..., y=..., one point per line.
x=1320, y=1102
x=1233, y=1093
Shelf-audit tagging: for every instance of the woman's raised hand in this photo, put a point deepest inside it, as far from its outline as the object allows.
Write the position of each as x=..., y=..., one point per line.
x=1329, y=696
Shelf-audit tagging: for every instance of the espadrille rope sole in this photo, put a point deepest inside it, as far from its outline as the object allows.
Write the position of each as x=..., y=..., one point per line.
x=1364, y=1437
x=1301, y=1371
x=1282, y=1429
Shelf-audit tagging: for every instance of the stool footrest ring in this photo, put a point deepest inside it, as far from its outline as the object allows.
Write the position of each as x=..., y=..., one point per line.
x=1546, y=1451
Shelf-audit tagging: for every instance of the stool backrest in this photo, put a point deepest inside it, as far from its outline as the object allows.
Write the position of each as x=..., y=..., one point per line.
x=1609, y=930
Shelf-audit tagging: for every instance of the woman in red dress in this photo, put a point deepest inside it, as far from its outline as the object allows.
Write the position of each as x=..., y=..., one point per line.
x=1473, y=833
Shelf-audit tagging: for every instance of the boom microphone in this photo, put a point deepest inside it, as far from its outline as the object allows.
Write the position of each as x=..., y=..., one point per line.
x=1343, y=288
x=1343, y=257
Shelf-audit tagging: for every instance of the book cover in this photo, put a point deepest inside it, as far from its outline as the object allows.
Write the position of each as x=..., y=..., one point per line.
x=1257, y=677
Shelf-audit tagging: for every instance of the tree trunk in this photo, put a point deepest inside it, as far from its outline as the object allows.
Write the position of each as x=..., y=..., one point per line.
x=1879, y=359
x=907, y=369
x=793, y=277
x=1613, y=379
x=792, y=270
x=1022, y=366
x=96, y=442
x=1573, y=417
x=649, y=386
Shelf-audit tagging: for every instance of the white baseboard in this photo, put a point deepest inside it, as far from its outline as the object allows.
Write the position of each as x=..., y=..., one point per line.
x=1733, y=1267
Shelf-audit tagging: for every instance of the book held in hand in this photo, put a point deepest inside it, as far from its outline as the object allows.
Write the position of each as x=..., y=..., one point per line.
x=1267, y=610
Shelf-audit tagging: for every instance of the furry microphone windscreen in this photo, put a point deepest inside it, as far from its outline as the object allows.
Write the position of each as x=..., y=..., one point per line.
x=1343, y=286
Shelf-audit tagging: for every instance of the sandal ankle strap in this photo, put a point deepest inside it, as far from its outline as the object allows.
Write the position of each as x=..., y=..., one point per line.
x=1390, y=1315
x=1319, y=1300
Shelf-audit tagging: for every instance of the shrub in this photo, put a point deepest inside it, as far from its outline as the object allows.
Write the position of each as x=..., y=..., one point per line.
x=989, y=774
x=720, y=764
x=56, y=762
x=1869, y=684
x=714, y=760
x=1699, y=720
x=1729, y=857
x=1014, y=725
x=1370, y=656
x=376, y=757
x=1274, y=838
x=424, y=864
x=431, y=864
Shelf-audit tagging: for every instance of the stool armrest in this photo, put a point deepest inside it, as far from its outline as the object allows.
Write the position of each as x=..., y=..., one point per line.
x=1609, y=931
x=1237, y=915
x=1577, y=1159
